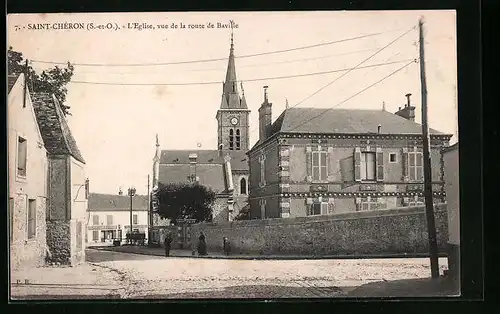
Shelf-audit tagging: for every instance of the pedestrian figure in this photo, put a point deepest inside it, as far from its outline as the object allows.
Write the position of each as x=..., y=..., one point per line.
x=167, y=244
x=202, y=245
x=226, y=245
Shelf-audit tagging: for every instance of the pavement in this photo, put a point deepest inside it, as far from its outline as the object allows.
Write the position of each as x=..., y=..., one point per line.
x=159, y=251
x=113, y=275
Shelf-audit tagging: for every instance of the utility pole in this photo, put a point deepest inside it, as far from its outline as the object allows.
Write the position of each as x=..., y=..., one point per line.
x=149, y=215
x=429, y=206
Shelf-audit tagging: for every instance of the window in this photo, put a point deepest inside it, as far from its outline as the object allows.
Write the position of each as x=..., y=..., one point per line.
x=243, y=186
x=95, y=235
x=416, y=201
x=22, y=155
x=319, y=165
x=368, y=203
x=95, y=220
x=238, y=142
x=318, y=208
x=368, y=166
x=79, y=234
x=31, y=219
x=231, y=139
x=262, y=170
x=109, y=220
x=262, y=210
x=393, y=157
x=11, y=216
x=134, y=219
x=415, y=166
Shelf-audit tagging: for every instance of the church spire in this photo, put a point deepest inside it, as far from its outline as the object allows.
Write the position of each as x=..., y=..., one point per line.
x=156, y=163
x=230, y=88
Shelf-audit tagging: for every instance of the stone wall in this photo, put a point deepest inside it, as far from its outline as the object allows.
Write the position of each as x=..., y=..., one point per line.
x=26, y=252
x=394, y=231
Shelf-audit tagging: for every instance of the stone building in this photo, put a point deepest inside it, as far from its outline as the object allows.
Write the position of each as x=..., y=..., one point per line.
x=66, y=214
x=314, y=161
x=225, y=169
x=451, y=173
x=27, y=163
x=109, y=217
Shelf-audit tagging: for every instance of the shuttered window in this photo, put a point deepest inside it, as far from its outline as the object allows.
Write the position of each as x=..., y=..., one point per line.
x=318, y=208
x=31, y=219
x=22, y=155
x=109, y=220
x=95, y=220
x=380, y=164
x=415, y=166
x=319, y=165
x=95, y=235
x=367, y=166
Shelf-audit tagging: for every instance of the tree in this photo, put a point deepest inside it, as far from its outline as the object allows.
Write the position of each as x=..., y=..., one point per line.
x=52, y=81
x=185, y=201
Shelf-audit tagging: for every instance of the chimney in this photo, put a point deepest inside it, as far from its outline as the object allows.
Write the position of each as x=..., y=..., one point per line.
x=265, y=117
x=408, y=111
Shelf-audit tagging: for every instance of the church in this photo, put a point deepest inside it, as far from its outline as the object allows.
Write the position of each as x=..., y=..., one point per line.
x=225, y=170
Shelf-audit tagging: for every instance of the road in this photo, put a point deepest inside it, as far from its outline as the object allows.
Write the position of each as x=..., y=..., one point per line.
x=157, y=277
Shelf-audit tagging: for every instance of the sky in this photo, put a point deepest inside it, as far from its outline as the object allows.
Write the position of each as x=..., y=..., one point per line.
x=115, y=125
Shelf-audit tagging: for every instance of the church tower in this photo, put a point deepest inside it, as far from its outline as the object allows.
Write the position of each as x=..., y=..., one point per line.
x=233, y=115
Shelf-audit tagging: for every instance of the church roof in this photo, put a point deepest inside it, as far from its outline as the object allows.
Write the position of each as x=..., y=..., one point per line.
x=343, y=121
x=210, y=157
x=230, y=94
x=210, y=175
x=113, y=202
x=55, y=131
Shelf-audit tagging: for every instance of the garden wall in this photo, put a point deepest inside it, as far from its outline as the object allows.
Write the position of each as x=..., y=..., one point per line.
x=394, y=231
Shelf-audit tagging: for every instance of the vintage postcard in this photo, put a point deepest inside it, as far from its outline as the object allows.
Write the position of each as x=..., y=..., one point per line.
x=259, y=155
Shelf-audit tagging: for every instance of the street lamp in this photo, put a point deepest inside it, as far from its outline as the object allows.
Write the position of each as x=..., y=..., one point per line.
x=131, y=193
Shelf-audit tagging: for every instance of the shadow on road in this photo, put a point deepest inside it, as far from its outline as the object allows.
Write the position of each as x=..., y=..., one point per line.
x=97, y=256
x=257, y=292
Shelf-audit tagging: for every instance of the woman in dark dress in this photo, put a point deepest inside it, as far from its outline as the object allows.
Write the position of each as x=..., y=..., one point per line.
x=202, y=245
x=167, y=244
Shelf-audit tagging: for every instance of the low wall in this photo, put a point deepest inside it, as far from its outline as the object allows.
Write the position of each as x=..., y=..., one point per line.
x=394, y=231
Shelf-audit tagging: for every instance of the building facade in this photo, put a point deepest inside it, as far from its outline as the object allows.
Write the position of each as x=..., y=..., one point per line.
x=225, y=169
x=317, y=162
x=108, y=217
x=67, y=184
x=451, y=173
x=27, y=163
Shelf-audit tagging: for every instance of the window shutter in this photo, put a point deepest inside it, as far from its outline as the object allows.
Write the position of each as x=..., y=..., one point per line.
x=324, y=208
x=308, y=164
x=329, y=169
x=357, y=164
x=405, y=163
x=380, y=164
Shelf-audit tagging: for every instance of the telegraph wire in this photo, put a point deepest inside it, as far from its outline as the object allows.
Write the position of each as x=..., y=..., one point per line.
x=356, y=94
x=216, y=59
x=355, y=67
x=247, y=80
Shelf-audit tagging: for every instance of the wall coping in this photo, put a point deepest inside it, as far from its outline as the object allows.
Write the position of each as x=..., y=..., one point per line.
x=398, y=211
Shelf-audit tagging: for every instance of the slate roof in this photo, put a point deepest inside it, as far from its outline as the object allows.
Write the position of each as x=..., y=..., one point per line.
x=343, y=121
x=11, y=81
x=239, y=159
x=112, y=202
x=55, y=131
x=210, y=175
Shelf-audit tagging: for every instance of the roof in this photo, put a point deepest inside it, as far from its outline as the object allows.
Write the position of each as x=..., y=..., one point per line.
x=210, y=175
x=239, y=159
x=450, y=148
x=55, y=131
x=11, y=81
x=111, y=202
x=344, y=121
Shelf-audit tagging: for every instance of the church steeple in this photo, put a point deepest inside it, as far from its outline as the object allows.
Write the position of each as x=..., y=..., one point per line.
x=230, y=87
x=233, y=115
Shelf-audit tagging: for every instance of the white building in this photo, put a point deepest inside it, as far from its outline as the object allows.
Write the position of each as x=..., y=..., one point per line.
x=109, y=217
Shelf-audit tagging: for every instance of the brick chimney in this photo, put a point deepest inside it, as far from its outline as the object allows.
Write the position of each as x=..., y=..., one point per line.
x=408, y=111
x=265, y=118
